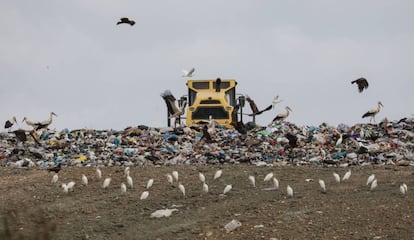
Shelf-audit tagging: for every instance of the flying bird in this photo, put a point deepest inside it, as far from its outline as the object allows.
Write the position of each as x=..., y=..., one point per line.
x=282, y=116
x=371, y=113
x=362, y=84
x=126, y=20
x=188, y=73
x=174, y=110
x=255, y=110
x=9, y=123
x=275, y=101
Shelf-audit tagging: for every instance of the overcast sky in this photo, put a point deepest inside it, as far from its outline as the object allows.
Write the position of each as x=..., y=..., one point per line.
x=70, y=57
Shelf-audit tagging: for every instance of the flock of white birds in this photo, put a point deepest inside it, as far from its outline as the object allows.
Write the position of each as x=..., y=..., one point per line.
x=173, y=178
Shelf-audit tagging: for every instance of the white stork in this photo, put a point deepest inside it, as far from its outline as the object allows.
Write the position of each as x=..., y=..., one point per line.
x=9, y=123
x=40, y=125
x=188, y=73
x=282, y=116
x=174, y=111
x=255, y=110
x=371, y=113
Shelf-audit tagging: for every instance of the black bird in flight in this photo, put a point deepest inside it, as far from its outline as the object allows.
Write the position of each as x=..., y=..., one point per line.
x=255, y=110
x=126, y=21
x=362, y=83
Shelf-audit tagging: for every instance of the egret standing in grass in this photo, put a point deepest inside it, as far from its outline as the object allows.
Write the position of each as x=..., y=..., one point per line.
x=374, y=184
x=275, y=183
x=175, y=175
x=205, y=187
x=130, y=182
x=170, y=178
x=98, y=173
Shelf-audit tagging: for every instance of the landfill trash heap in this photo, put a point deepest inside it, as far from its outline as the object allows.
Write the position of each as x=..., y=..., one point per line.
x=279, y=144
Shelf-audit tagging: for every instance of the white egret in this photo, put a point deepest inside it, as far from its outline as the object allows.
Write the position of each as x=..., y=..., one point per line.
x=370, y=179
x=98, y=173
x=347, y=175
x=84, y=180
x=130, y=182
x=201, y=177
x=402, y=189
x=227, y=188
x=149, y=183
x=123, y=187
x=55, y=178
x=268, y=177
x=205, y=187
x=275, y=183
x=182, y=189
x=289, y=190
x=70, y=185
x=252, y=181
x=337, y=177
x=374, y=184
x=218, y=174
x=65, y=188
x=144, y=195
x=170, y=178
x=106, y=183
x=322, y=185
x=175, y=175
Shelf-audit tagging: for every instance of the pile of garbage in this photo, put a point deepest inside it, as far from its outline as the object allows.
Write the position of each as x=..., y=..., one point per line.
x=389, y=142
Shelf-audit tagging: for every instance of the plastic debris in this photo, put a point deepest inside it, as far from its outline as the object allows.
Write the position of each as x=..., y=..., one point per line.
x=233, y=224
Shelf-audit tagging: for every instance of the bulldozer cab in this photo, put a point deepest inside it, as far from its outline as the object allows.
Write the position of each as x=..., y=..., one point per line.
x=215, y=98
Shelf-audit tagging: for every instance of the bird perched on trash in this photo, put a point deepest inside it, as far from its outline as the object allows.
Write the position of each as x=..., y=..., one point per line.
x=371, y=113
x=126, y=20
x=206, y=134
x=282, y=116
x=362, y=84
x=40, y=125
x=9, y=123
x=174, y=110
x=55, y=168
x=188, y=73
x=293, y=140
x=255, y=110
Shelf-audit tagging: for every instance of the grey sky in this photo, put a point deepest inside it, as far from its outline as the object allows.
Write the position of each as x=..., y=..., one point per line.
x=69, y=57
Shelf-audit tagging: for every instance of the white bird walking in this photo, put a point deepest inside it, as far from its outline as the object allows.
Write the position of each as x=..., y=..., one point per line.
x=175, y=175
x=268, y=177
x=201, y=177
x=55, y=178
x=170, y=178
x=84, y=180
x=182, y=189
x=252, y=181
x=218, y=174
x=374, y=184
x=144, y=195
x=337, y=177
x=123, y=188
x=130, y=182
x=126, y=171
x=275, y=183
x=347, y=175
x=370, y=179
x=227, y=188
x=98, y=173
x=405, y=187
x=149, y=183
x=106, y=183
x=205, y=187
x=322, y=185
x=289, y=191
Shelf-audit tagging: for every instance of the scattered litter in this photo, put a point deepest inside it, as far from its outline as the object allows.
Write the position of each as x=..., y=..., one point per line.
x=163, y=213
x=233, y=224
